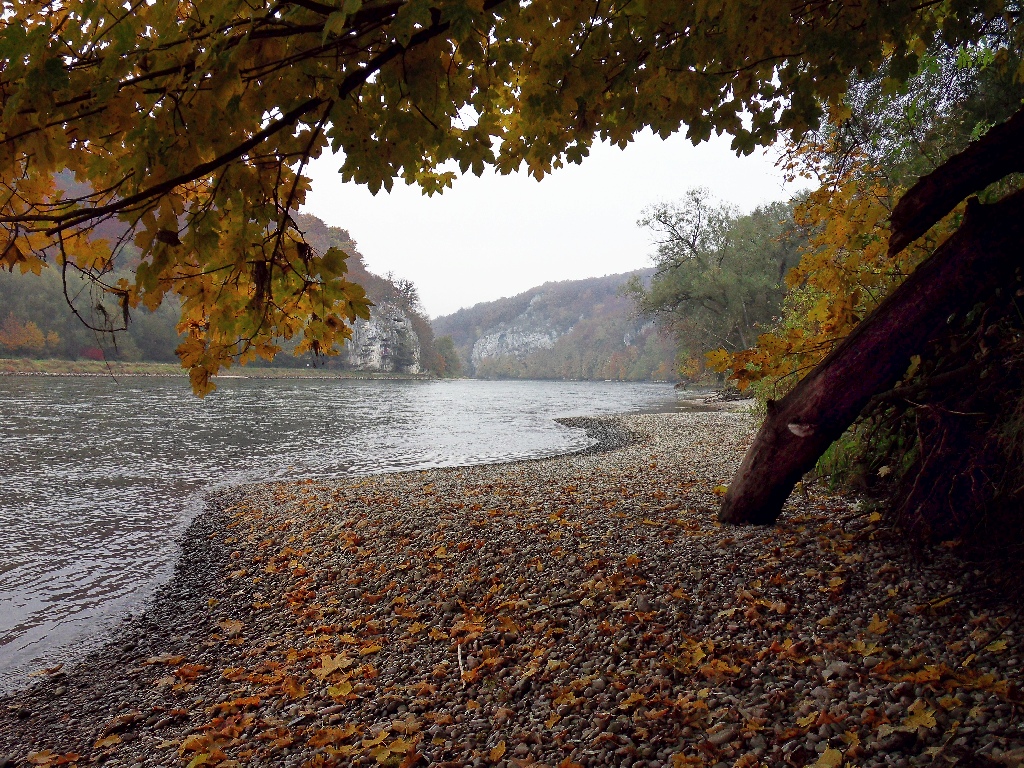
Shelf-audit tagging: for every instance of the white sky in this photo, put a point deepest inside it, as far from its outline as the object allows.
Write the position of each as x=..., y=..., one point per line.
x=497, y=236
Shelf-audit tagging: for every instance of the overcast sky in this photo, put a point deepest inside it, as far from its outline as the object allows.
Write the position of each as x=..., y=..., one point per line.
x=497, y=236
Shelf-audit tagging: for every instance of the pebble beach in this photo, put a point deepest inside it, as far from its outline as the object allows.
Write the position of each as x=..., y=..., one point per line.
x=584, y=610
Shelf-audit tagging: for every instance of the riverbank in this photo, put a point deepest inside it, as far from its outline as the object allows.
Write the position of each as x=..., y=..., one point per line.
x=30, y=367
x=584, y=608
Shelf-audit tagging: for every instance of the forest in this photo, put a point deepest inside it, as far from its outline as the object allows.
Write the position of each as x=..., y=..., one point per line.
x=43, y=318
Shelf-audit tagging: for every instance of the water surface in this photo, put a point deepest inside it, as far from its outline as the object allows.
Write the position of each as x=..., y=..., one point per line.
x=98, y=478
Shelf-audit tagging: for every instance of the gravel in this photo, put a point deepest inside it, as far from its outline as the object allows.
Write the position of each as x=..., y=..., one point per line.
x=586, y=610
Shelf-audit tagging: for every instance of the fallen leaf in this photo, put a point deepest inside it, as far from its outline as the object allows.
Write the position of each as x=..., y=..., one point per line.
x=107, y=741
x=329, y=664
x=327, y=736
x=830, y=758
x=808, y=721
x=633, y=698
x=497, y=751
x=920, y=716
x=400, y=746
x=339, y=690
x=850, y=738
x=231, y=627
x=293, y=688
x=189, y=672
x=996, y=646
x=877, y=625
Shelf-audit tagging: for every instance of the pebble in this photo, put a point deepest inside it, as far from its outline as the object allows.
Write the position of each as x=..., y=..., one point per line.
x=598, y=609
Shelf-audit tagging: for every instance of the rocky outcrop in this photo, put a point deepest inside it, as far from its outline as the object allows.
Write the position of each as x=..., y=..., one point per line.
x=530, y=331
x=580, y=329
x=515, y=342
x=386, y=342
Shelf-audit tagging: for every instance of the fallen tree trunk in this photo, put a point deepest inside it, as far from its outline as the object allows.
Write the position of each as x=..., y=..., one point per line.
x=980, y=256
x=984, y=162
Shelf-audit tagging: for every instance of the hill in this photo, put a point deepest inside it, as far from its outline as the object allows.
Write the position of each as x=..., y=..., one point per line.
x=577, y=329
x=36, y=321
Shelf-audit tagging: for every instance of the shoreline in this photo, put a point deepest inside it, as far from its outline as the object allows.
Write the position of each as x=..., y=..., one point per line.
x=555, y=581
x=607, y=437
x=116, y=369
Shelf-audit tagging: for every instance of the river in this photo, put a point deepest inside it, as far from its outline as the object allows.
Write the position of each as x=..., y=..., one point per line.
x=99, y=477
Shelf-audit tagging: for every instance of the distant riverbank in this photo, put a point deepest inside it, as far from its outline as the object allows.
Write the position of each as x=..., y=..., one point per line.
x=584, y=609
x=29, y=367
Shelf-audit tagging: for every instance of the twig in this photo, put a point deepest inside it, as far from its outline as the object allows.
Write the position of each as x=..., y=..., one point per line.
x=462, y=669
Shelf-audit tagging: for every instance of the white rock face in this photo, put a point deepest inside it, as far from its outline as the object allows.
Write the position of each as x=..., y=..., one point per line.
x=386, y=342
x=515, y=342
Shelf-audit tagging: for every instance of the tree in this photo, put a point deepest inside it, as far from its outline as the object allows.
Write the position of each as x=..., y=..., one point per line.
x=192, y=124
x=719, y=275
x=946, y=437
x=188, y=126
x=24, y=338
x=448, y=362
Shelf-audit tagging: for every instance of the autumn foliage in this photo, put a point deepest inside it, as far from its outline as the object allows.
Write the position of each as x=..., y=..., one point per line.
x=187, y=127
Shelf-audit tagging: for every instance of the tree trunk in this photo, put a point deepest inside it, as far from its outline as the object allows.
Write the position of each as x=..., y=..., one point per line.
x=993, y=156
x=980, y=256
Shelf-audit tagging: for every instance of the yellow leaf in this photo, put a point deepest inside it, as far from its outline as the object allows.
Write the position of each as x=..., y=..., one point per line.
x=633, y=698
x=878, y=626
x=339, y=690
x=830, y=758
x=379, y=739
x=996, y=646
x=808, y=720
x=367, y=650
x=920, y=717
x=107, y=741
x=497, y=751
x=400, y=746
x=329, y=664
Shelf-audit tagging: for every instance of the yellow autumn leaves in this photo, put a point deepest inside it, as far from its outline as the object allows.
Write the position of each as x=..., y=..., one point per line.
x=183, y=130
x=844, y=272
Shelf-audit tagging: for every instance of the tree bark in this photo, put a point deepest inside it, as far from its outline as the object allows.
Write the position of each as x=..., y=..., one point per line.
x=980, y=256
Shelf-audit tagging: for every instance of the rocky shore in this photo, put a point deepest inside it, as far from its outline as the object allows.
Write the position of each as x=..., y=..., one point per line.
x=583, y=610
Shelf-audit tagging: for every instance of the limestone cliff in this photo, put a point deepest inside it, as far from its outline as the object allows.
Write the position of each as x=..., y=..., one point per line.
x=397, y=337
x=386, y=342
x=580, y=329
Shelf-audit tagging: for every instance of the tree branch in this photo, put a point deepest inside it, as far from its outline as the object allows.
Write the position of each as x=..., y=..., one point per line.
x=997, y=154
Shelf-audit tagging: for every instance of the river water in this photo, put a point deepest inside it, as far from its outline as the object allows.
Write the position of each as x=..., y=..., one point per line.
x=98, y=478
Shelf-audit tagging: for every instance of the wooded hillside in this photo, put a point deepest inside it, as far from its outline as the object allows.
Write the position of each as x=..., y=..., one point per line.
x=37, y=320
x=577, y=329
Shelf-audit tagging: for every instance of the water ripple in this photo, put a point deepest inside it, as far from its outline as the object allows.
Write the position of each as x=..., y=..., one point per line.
x=98, y=477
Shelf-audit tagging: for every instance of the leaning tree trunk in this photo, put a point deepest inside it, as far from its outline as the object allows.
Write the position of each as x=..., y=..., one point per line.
x=980, y=256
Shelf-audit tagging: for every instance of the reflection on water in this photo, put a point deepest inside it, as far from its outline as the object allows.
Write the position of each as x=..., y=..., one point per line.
x=98, y=478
